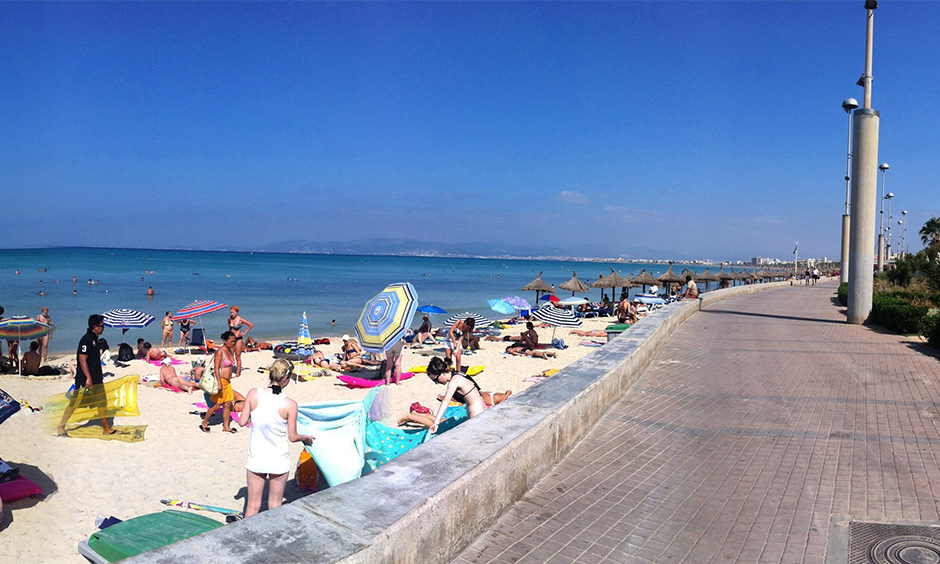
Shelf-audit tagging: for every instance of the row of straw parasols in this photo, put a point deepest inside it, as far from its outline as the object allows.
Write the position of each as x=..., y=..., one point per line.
x=644, y=279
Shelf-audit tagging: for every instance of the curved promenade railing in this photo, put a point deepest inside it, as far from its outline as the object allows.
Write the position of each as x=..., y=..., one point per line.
x=429, y=504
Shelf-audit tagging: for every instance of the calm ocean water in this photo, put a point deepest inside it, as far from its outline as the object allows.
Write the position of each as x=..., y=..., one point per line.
x=272, y=290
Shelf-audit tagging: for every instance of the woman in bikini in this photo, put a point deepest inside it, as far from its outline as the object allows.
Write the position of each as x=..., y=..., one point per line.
x=352, y=354
x=44, y=340
x=454, y=342
x=235, y=324
x=224, y=396
x=167, y=331
x=460, y=388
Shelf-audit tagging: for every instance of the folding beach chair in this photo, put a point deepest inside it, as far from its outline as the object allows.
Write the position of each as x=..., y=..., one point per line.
x=197, y=338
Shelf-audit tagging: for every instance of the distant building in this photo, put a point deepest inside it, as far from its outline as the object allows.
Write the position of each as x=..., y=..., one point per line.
x=756, y=261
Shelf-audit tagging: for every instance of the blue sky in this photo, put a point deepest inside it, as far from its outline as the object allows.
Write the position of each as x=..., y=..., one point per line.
x=706, y=129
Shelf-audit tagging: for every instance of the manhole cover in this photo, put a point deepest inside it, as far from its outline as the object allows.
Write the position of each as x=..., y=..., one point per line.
x=881, y=543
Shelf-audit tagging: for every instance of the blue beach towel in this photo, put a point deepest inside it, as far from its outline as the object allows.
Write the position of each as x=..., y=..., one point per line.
x=339, y=428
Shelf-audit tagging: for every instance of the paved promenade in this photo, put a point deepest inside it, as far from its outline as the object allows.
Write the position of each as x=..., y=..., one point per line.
x=758, y=420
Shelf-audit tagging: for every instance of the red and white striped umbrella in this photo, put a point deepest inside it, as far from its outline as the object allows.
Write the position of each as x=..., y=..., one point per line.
x=198, y=308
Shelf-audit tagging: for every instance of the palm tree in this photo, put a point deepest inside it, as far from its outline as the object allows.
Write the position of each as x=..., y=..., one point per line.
x=930, y=232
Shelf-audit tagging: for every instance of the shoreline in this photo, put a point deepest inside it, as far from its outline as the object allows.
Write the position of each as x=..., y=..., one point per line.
x=87, y=477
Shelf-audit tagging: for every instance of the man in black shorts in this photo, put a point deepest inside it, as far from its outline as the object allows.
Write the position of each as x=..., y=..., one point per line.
x=88, y=376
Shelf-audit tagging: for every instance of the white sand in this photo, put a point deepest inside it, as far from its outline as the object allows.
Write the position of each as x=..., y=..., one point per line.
x=85, y=477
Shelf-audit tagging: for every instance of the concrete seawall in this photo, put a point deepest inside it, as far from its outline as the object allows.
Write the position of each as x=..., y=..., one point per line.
x=431, y=502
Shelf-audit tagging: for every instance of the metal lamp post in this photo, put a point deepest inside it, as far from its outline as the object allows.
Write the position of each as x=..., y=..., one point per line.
x=903, y=234
x=888, y=196
x=848, y=105
x=883, y=167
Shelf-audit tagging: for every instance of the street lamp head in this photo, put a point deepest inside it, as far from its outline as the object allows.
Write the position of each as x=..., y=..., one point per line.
x=889, y=195
x=883, y=166
x=871, y=4
x=900, y=222
x=904, y=212
x=849, y=104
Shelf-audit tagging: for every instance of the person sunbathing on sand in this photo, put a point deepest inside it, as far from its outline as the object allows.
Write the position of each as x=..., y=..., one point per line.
x=153, y=353
x=170, y=379
x=321, y=360
x=591, y=333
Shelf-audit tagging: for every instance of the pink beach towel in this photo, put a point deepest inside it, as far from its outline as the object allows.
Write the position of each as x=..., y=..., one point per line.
x=173, y=362
x=354, y=382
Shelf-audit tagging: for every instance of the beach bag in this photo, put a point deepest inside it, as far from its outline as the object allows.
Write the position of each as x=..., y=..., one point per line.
x=125, y=353
x=208, y=382
x=559, y=343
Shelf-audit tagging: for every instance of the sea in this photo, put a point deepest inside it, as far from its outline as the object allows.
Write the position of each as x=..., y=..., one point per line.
x=272, y=290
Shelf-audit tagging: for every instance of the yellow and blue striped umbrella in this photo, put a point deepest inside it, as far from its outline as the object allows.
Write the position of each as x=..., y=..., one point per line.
x=386, y=317
x=23, y=328
x=303, y=335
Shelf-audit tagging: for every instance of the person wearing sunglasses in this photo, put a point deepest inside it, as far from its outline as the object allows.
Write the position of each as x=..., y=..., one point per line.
x=88, y=375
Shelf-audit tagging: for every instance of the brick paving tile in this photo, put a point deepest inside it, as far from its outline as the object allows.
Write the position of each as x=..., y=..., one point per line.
x=758, y=419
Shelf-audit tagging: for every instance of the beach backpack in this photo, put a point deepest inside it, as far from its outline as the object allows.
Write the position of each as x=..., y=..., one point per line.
x=208, y=382
x=125, y=353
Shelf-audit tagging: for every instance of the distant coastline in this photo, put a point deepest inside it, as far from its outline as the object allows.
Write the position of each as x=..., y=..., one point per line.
x=414, y=253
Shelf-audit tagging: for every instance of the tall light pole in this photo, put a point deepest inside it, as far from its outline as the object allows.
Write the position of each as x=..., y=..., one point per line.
x=903, y=234
x=848, y=105
x=888, y=197
x=883, y=167
x=865, y=127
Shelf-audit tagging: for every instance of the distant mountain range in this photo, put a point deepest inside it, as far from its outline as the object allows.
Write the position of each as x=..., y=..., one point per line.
x=411, y=247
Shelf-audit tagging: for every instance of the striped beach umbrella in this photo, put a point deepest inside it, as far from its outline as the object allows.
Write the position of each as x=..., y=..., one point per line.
x=386, y=317
x=198, y=308
x=23, y=328
x=303, y=336
x=126, y=319
x=556, y=316
x=479, y=320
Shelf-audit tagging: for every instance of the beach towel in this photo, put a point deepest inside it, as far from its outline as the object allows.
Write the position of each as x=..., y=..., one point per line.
x=339, y=428
x=125, y=433
x=173, y=362
x=590, y=343
x=119, y=398
x=8, y=406
x=18, y=489
x=354, y=382
x=384, y=443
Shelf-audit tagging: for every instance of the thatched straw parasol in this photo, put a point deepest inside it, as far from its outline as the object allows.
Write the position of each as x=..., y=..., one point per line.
x=603, y=282
x=708, y=276
x=620, y=281
x=670, y=277
x=644, y=279
x=538, y=285
x=574, y=285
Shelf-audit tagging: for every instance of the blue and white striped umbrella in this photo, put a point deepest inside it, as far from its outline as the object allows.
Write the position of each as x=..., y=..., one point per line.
x=479, y=320
x=556, y=316
x=126, y=319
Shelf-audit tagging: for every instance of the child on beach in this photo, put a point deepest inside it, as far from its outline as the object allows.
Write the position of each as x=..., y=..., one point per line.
x=274, y=426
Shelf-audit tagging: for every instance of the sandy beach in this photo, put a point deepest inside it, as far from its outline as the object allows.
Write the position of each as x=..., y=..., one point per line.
x=85, y=477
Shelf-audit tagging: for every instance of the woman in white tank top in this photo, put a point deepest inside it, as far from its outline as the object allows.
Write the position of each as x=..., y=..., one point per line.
x=273, y=418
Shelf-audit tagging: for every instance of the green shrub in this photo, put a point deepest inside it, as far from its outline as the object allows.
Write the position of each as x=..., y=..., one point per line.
x=843, y=293
x=894, y=313
x=932, y=331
